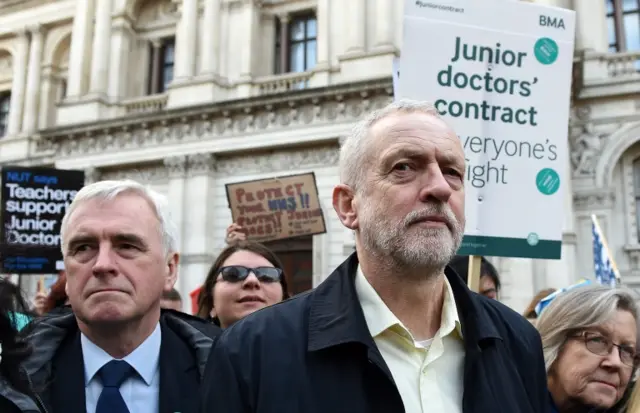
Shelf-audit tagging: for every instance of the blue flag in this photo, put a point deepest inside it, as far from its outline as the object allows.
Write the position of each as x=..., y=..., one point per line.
x=603, y=264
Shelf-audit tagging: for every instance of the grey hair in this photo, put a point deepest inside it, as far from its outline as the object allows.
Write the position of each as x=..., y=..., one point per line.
x=109, y=190
x=354, y=150
x=578, y=309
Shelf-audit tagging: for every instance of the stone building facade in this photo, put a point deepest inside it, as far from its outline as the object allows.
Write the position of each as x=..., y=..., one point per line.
x=189, y=95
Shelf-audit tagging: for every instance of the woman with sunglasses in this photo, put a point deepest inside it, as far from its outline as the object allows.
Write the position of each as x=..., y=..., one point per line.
x=590, y=338
x=245, y=277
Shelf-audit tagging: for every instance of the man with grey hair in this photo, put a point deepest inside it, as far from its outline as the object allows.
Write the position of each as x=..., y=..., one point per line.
x=117, y=351
x=393, y=329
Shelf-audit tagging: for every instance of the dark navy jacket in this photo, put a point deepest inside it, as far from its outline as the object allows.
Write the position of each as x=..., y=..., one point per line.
x=314, y=354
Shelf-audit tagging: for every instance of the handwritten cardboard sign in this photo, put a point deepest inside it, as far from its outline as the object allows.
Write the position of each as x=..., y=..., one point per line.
x=277, y=208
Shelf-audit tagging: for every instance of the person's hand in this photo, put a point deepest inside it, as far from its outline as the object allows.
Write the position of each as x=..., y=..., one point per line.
x=235, y=234
x=39, y=302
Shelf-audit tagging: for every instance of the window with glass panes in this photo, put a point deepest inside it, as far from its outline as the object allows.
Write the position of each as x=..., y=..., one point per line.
x=302, y=43
x=161, y=65
x=295, y=52
x=623, y=25
x=5, y=103
x=168, y=49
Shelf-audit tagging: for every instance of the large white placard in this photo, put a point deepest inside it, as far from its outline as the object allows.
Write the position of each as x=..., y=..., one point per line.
x=500, y=74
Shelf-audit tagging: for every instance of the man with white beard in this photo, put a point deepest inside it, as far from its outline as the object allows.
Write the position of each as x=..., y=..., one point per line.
x=392, y=329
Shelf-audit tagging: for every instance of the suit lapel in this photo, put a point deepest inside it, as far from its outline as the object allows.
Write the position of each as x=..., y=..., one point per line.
x=67, y=385
x=179, y=382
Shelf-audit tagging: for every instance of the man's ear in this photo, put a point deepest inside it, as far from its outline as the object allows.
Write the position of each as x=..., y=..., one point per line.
x=172, y=271
x=344, y=204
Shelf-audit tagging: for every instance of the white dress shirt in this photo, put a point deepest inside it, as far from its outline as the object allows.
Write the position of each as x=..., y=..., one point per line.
x=141, y=391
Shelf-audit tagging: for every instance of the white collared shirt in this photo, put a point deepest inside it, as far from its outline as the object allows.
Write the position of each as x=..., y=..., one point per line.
x=141, y=392
x=428, y=373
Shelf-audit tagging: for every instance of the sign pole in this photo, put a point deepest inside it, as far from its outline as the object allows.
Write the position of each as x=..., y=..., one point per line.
x=473, y=277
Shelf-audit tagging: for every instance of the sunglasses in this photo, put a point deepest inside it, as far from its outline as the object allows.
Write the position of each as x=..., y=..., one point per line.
x=238, y=273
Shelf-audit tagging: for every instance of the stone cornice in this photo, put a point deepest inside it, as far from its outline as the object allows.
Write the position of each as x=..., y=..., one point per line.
x=146, y=173
x=279, y=161
x=304, y=108
x=199, y=164
x=292, y=99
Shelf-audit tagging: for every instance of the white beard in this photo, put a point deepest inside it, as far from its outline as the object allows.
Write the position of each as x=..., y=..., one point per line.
x=411, y=245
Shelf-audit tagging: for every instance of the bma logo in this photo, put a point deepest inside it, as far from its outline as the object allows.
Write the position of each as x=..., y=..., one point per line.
x=549, y=21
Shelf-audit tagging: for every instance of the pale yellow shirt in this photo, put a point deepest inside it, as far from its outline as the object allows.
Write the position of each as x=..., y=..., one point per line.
x=428, y=374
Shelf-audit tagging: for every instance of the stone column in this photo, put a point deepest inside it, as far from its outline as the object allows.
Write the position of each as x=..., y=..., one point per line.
x=197, y=247
x=32, y=95
x=518, y=281
x=121, y=36
x=247, y=51
x=561, y=273
x=355, y=27
x=80, y=53
x=186, y=40
x=47, y=97
x=101, y=49
x=210, y=44
x=592, y=38
x=176, y=167
x=591, y=26
x=225, y=17
x=91, y=175
x=155, y=67
x=284, y=43
x=323, y=35
x=18, y=83
x=384, y=24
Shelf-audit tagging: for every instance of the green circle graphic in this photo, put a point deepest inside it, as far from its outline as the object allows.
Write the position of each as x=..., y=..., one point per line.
x=548, y=181
x=533, y=239
x=546, y=50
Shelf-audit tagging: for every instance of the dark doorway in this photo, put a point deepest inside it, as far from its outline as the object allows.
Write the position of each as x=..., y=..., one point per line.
x=296, y=255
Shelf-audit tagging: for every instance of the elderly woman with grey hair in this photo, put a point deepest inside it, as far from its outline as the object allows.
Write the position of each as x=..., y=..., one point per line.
x=589, y=336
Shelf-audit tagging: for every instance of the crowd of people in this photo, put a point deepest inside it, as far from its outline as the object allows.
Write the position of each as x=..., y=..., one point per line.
x=393, y=329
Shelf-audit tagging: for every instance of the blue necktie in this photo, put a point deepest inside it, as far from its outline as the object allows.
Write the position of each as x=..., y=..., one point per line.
x=113, y=374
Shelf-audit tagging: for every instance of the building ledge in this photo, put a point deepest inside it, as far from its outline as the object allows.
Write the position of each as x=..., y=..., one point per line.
x=227, y=108
x=598, y=75
x=297, y=117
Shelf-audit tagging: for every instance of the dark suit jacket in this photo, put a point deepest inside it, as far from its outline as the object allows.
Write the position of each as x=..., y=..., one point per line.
x=186, y=342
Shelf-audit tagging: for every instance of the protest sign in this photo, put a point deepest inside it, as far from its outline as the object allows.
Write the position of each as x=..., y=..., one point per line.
x=34, y=201
x=277, y=208
x=499, y=72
